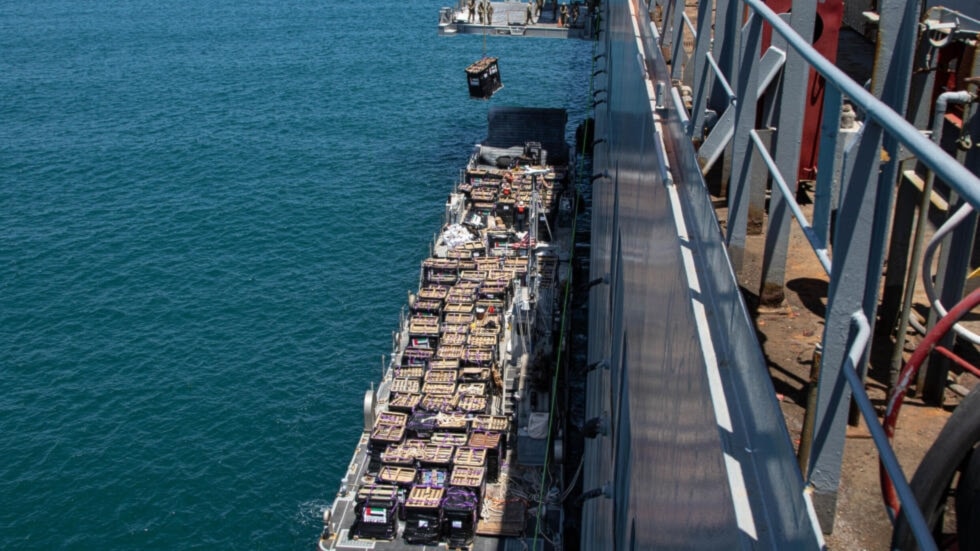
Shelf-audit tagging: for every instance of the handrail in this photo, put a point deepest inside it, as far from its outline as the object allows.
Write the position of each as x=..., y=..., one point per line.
x=780, y=181
x=880, y=119
x=916, y=521
x=690, y=26
x=961, y=179
x=720, y=76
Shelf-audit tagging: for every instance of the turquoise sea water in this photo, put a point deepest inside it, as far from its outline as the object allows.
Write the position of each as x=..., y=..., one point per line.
x=210, y=214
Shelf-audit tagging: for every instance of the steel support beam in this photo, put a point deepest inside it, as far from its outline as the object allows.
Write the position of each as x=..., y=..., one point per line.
x=789, y=132
x=702, y=69
x=859, y=254
x=738, y=193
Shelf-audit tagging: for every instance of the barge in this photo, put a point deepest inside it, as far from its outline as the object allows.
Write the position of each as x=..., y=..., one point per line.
x=457, y=444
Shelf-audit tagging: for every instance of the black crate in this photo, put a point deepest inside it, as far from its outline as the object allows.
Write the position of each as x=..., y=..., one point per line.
x=483, y=78
x=460, y=509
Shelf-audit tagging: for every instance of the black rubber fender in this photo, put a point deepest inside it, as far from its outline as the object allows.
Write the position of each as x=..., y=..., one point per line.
x=968, y=504
x=951, y=452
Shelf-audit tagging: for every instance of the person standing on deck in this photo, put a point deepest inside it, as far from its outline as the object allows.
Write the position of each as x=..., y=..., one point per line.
x=529, y=15
x=472, y=7
x=562, y=15
x=489, y=13
x=539, y=4
x=482, y=11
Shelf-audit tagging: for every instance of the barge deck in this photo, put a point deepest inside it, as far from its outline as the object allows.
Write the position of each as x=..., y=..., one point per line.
x=457, y=437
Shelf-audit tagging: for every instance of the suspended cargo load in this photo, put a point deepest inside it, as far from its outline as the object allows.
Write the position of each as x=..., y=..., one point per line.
x=483, y=78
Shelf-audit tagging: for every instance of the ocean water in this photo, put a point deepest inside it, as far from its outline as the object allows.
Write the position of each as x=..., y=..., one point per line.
x=211, y=212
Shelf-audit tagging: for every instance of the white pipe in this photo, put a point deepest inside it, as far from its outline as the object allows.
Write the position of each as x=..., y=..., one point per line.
x=942, y=102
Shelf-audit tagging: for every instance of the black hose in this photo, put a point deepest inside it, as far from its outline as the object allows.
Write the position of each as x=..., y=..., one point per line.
x=968, y=504
x=951, y=452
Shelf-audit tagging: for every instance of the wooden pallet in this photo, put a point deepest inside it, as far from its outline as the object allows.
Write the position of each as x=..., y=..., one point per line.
x=408, y=386
x=427, y=305
x=488, y=263
x=500, y=276
x=459, y=319
x=404, y=401
x=437, y=454
x=450, y=352
x=390, y=418
x=478, y=356
x=484, y=440
x=519, y=265
x=377, y=492
x=484, y=194
x=474, y=374
x=449, y=438
x=426, y=326
x=451, y=328
x=437, y=292
x=388, y=433
x=472, y=275
x=439, y=402
x=481, y=341
x=417, y=354
x=409, y=372
x=398, y=456
x=464, y=287
x=469, y=477
x=472, y=389
x=441, y=376
x=443, y=364
x=433, y=263
x=472, y=404
x=441, y=277
x=424, y=497
x=401, y=476
x=469, y=456
x=439, y=388
x=453, y=339
x=460, y=252
x=497, y=423
x=452, y=421
x=404, y=453
x=462, y=308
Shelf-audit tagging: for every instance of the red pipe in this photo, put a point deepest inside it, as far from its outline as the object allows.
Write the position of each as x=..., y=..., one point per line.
x=963, y=364
x=904, y=379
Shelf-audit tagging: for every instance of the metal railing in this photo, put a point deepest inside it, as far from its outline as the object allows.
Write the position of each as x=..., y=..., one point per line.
x=729, y=40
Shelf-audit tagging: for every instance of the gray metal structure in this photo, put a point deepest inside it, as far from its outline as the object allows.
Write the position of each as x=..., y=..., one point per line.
x=862, y=205
x=696, y=454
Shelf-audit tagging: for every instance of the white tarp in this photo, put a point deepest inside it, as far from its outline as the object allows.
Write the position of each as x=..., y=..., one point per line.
x=456, y=235
x=537, y=425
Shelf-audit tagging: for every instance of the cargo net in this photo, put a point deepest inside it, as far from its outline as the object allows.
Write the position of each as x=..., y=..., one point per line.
x=506, y=504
